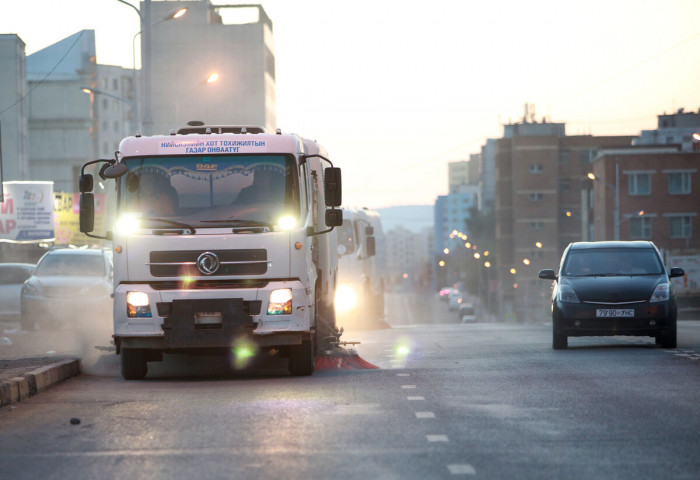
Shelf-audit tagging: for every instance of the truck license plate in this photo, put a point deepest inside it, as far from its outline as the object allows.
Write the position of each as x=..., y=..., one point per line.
x=614, y=312
x=207, y=318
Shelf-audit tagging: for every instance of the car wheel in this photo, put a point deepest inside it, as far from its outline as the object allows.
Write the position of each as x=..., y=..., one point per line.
x=559, y=341
x=667, y=339
x=27, y=323
x=134, y=363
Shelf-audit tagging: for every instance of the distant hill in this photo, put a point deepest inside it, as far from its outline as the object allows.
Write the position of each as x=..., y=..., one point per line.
x=412, y=217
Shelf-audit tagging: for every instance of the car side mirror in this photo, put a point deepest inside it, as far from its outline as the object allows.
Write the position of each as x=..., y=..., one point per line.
x=676, y=272
x=547, y=274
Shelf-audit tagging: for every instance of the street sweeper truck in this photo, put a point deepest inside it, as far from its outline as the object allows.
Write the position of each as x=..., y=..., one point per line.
x=223, y=243
x=359, y=298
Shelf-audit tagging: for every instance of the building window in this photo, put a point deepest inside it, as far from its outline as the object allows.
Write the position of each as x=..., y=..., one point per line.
x=564, y=156
x=564, y=186
x=639, y=184
x=640, y=228
x=537, y=225
x=679, y=183
x=536, y=197
x=116, y=126
x=681, y=227
x=536, y=168
x=105, y=104
x=115, y=84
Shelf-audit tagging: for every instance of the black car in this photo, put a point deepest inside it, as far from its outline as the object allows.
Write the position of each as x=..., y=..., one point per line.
x=613, y=288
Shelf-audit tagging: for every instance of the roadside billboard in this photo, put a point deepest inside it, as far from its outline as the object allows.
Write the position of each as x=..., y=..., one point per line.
x=67, y=219
x=26, y=212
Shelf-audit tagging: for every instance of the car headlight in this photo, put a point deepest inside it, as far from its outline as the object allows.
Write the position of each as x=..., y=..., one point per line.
x=137, y=305
x=661, y=293
x=345, y=298
x=30, y=288
x=567, y=294
x=280, y=302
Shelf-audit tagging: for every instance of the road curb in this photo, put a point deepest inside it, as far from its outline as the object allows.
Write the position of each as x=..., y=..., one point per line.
x=18, y=388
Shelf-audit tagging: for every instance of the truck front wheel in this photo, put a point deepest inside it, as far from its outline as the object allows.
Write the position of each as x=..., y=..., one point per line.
x=134, y=363
x=301, y=358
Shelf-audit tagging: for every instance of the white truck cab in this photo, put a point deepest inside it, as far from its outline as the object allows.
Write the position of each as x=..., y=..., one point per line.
x=223, y=243
x=359, y=296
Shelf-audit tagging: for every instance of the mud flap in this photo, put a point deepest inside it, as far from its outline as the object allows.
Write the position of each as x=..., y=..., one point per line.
x=181, y=331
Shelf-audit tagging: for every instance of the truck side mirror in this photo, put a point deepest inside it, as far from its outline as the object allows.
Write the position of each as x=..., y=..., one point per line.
x=371, y=246
x=333, y=187
x=113, y=170
x=334, y=218
x=85, y=183
x=369, y=230
x=87, y=210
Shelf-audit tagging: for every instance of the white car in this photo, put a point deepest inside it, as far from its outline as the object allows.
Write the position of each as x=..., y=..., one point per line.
x=12, y=277
x=69, y=286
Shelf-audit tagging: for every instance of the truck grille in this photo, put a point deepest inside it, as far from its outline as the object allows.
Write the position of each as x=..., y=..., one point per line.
x=231, y=262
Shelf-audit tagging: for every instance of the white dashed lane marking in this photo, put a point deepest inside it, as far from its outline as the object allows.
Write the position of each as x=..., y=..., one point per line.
x=425, y=415
x=461, y=469
x=415, y=398
x=437, y=438
x=403, y=374
x=407, y=387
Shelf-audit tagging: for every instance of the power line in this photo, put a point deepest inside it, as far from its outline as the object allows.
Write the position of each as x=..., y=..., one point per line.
x=46, y=76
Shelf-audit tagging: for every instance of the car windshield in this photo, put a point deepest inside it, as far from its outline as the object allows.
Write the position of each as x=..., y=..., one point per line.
x=71, y=264
x=209, y=191
x=612, y=261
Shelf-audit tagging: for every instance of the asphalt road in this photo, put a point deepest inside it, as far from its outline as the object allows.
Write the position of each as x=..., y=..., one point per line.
x=485, y=400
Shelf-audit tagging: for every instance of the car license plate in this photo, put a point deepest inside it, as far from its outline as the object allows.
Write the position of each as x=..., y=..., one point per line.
x=614, y=312
x=207, y=318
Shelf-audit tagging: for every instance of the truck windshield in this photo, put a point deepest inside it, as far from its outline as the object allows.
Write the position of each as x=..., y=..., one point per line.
x=346, y=238
x=210, y=191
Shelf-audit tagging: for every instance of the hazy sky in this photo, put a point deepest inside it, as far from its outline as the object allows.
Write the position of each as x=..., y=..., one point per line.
x=396, y=89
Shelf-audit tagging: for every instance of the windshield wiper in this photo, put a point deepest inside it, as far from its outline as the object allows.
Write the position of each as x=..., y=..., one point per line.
x=173, y=223
x=239, y=222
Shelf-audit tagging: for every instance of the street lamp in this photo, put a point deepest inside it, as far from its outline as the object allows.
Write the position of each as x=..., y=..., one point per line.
x=616, y=189
x=146, y=25
x=95, y=91
x=212, y=78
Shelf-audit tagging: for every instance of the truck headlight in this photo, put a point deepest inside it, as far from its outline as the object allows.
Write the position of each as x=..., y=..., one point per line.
x=137, y=305
x=345, y=298
x=287, y=222
x=127, y=224
x=280, y=302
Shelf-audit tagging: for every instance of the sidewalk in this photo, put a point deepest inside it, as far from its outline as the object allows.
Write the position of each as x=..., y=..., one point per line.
x=31, y=362
x=21, y=378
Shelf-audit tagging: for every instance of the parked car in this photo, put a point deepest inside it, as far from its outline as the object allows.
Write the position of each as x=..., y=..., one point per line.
x=12, y=277
x=613, y=288
x=466, y=313
x=455, y=299
x=69, y=287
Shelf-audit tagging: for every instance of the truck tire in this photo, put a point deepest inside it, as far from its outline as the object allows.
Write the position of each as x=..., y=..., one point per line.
x=301, y=358
x=134, y=363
